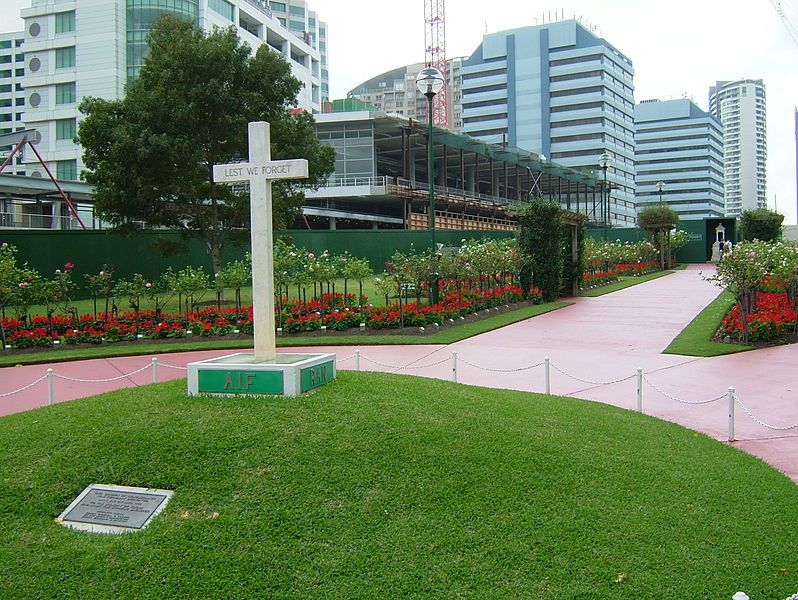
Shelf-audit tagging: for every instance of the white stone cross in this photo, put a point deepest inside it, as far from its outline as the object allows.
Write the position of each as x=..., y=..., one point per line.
x=259, y=172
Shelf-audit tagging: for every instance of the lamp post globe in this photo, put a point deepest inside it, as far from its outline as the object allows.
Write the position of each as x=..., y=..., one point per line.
x=660, y=188
x=429, y=81
x=604, y=161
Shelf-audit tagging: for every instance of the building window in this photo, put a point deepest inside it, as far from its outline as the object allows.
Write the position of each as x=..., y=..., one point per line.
x=65, y=93
x=5, y=43
x=5, y=73
x=5, y=58
x=296, y=25
x=65, y=57
x=278, y=6
x=66, y=170
x=65, y=22
x=296, y=11
x=222, y=7
x=65, y=129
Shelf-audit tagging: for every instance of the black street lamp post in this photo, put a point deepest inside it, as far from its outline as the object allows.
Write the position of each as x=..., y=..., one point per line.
x=604, y=161
x=429, y=82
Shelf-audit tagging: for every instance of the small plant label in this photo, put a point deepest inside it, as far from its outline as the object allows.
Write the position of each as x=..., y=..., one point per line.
x=114, y=509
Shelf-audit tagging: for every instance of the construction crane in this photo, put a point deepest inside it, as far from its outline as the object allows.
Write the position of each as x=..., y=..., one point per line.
x=435, y=56
x=784, y=19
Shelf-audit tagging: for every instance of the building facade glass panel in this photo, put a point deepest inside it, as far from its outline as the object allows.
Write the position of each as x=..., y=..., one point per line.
x=65, y=57
x=65, y=22
x=65, y=93
x=140, y=16
x=65, y=129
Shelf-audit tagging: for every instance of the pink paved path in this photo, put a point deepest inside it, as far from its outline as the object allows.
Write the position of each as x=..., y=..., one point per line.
x=597, y=339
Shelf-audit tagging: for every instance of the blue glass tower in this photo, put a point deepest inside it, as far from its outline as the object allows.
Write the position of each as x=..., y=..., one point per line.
x=558, y=90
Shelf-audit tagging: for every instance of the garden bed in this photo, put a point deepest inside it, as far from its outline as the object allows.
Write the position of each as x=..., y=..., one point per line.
x=246, y=338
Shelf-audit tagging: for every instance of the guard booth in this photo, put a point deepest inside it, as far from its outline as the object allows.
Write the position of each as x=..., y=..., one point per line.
x=703, y=233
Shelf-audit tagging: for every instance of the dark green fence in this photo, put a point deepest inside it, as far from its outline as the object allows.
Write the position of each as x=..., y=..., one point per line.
x=47, y=251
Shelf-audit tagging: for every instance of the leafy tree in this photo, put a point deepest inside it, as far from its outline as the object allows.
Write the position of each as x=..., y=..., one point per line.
x=658, y=220
x=761, y=224
x=150, y=155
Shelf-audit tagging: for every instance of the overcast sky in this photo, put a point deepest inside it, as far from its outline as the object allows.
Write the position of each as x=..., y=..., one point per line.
x=679, y=48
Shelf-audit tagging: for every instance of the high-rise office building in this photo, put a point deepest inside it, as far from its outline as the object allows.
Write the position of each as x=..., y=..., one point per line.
x=395, y=92
x=740, y=105
x=92, y=47
x=558, y=90
x=679, y=146
x=12, y=94
x=304, y=23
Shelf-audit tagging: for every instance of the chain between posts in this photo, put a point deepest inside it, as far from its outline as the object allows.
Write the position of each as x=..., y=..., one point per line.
x=23, y=388
x=67, y=378
x=493, y=370
x=593, y=382
x=761, y=422
x=667, y=395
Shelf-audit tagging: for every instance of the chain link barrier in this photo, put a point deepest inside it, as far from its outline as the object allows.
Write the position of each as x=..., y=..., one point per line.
x=67, y=378
x=761, y=422
x=400, y=368
x=556, y=368
x=160, y=364
x=22, y=389
x=667, y=395
x=494, y=370
x=434, y=364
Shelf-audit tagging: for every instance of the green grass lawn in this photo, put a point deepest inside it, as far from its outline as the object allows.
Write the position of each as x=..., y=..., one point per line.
x=444, y=336
x=385, y=486
x=623, y=283
x=696, y=338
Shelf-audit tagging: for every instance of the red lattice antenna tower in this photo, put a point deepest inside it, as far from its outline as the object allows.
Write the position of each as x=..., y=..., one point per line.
x=435, y=55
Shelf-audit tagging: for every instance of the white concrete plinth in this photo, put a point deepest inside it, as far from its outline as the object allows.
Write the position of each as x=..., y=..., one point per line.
x=240, y=374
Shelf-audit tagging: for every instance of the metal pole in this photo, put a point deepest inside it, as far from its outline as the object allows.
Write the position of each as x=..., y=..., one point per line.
x=50, y=396
x=731, y=413
x=154, y=370
x=357, y=359
x=547, y=374
x=639, y=390
x=431, y=174
x=606, y=203
x=454, y=367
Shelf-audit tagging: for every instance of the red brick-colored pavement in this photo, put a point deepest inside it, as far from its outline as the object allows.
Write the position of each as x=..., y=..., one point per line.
x=595, y=341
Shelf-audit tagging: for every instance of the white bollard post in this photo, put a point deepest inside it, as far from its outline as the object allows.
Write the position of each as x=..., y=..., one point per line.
x=639, y=389
x=547, y=374
x=740, y=596
x=50, y=395
x=154, y=370
x=454, y=367
x=731, y=413
x=357, y=359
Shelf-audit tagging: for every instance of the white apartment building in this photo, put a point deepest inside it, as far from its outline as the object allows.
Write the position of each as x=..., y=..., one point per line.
x=12, y=94
x=741, y=107
x=78, y=48
x=395, y=92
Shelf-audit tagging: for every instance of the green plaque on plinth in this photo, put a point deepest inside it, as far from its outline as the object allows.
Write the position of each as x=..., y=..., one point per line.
x=240, y=381
x=313, y=377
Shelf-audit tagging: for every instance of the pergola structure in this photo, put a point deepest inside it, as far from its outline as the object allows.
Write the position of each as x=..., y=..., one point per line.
x=475, y=182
